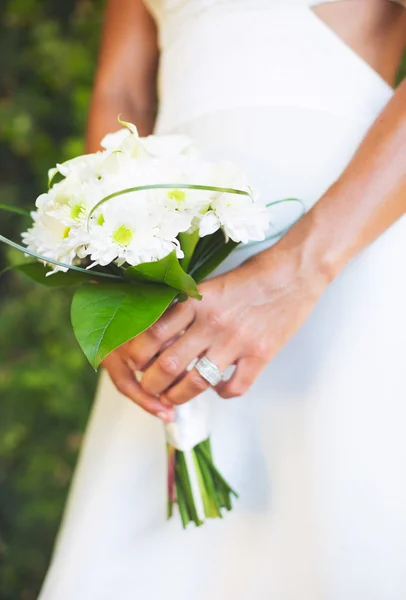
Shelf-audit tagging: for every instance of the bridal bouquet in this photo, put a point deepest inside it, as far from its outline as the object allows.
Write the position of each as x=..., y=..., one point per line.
x=136, y=227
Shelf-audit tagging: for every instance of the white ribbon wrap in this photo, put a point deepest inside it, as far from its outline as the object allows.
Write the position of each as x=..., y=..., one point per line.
x=191, y=423
x=190, y=426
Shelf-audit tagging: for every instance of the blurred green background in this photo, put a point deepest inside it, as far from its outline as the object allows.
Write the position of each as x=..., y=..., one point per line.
x=47, y=53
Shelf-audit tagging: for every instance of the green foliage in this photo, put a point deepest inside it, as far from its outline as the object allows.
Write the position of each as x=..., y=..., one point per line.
x=48, y=52
x=107, y=315
x=210, y=252
x=38, y=273
x=167, y=271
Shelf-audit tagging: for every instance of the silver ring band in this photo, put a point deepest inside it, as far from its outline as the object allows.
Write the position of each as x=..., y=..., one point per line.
x=209, y=371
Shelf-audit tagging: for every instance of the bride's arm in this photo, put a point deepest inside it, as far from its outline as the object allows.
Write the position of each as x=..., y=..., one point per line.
x=126, y=75
x=247, y=315
x=368, y=197
x=125, y=84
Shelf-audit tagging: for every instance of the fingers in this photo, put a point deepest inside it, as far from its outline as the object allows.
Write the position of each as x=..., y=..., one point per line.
x=173, y=361
x=141, y=350
x=242, y=379
x=124, y=380
x=193, y=384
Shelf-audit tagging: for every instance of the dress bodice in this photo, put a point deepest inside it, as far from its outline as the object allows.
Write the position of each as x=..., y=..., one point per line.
x=220, y=54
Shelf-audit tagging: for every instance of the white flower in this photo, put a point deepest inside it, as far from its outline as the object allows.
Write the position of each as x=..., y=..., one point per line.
x=133, y=236
x=114, y=141
x=140, y=226
x=50, y=238
x=127, y=141
x=85, y=168
x=238, y=216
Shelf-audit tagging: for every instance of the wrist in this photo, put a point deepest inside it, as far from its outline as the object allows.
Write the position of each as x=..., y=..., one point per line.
x=306, y=254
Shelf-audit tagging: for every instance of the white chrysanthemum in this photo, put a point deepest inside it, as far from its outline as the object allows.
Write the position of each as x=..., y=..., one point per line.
x=239, y=217
x=74, y=211
x=128, y=142
x=142, y=226
x=134, y=236
x=51, y=238
x=183, y=199
x=114, y=141
x=86, y=167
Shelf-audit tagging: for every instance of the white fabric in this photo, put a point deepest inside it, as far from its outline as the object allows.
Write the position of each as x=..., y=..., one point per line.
x=317, y=448
x=267, y=65
x=175, y=15
x=190, y=426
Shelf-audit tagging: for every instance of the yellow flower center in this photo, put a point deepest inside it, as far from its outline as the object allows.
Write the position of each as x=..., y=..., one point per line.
x=66, y=232
x=123, y=235
x=76, y=211
x=177, y=195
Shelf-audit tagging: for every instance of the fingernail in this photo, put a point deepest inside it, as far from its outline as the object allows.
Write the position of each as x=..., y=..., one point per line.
x=138, y=376
x=164, y=416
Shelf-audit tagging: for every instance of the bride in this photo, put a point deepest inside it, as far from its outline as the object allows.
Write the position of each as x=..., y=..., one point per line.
x=314, y=439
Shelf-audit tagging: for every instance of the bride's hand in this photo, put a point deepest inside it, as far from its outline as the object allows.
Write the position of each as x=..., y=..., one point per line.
x=244, y=319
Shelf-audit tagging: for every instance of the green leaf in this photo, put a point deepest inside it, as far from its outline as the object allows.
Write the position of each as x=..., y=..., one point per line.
x=51, y=261
x=38, y=273
x=188, y=242
x=167, y=271
x=15, y=210
x=209, y=255
x=105, y=316
x=6, y=270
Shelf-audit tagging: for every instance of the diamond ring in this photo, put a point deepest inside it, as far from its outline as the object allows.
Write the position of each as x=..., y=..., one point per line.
x=209, y=371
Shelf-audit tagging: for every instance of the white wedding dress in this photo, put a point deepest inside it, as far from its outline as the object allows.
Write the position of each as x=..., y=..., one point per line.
x=317, y=448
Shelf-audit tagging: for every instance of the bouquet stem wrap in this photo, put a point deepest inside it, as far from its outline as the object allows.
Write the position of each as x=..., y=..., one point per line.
x=194, y=482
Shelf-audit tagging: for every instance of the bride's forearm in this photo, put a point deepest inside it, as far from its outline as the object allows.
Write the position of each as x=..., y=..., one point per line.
x=368, y=198
x=126, y=75
x=103, y=114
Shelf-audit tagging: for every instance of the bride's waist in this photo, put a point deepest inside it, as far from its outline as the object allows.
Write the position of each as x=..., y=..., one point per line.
x=268, y=57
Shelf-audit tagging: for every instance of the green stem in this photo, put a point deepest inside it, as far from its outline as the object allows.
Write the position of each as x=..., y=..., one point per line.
x=207, y=504
x=181, y=471
x=214, y=510
x=183, y=510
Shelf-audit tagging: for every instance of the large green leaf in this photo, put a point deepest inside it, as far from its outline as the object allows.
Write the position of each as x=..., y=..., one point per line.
x=38, y=273
x=167, y=271
x=105, y=316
